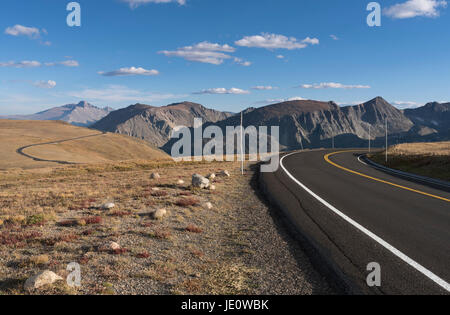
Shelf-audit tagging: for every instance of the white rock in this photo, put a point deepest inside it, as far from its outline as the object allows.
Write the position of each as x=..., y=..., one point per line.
x=211, y=176
x=180, y=182
x=114, y=245
x=108, y=206
x=225, y=173
x=110, y=246
x=198, y=181
x=41, y=279
x=155, y=189
x=208, y=205
x=159, y=214
x=212, y=187
x=155, y=176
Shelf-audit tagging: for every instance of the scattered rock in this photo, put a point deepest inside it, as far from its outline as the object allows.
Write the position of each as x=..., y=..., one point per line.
x=211, y=176
x=114, y=245
x=155, y=189
x=180, y=182
x=208, y=205
x=110, y=246
x=159, y=214
x=155, y=176
x=43, y=278
x=225, y=173
x=108, y=206
x=198, y=181
x=212, y=187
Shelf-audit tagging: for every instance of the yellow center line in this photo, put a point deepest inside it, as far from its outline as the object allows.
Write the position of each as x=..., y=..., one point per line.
x=327, y=158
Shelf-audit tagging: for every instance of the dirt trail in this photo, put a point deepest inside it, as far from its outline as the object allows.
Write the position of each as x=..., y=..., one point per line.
x=21, y=149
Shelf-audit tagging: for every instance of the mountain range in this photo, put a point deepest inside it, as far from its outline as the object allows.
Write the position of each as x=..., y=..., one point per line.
x=82, y=114
x=303, y=123
x=155, y=124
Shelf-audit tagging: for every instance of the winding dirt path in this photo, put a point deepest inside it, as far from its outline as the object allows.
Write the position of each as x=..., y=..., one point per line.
x=21, y=149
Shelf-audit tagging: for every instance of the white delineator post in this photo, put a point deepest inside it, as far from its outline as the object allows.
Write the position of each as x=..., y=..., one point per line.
x=386, y=141
x=369, y=140
x=242, y=143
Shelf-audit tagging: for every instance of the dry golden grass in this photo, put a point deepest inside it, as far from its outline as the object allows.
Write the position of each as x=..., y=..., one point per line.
x=99, y=148
x=52, y=219
x=431, y=148
x=425, y=159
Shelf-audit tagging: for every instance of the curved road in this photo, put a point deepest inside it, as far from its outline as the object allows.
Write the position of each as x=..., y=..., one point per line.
x=21, y=149
x=354, y=215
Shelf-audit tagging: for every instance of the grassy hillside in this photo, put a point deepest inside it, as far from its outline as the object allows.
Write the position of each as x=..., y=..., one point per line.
x=95, y=148
x=425, y=159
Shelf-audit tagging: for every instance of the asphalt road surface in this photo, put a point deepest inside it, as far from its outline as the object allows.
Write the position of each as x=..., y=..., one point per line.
x=354, y=215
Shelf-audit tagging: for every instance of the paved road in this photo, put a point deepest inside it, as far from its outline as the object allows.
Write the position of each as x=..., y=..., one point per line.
x=354, y=215
x=21, y=149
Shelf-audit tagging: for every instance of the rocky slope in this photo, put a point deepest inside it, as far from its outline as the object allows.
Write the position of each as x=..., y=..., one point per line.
x=81, y=114
x=310, y=124
x=434, y=115
x=155, y=124
x=303, y=123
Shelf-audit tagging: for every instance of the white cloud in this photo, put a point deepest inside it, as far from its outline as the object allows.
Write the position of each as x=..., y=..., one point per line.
x=312, y=41
x=406, y=104
x=120, y=94
x=135, y=3
x=264, y=88
x=334, y=37
x=223, y=91
x=67, y=63
x=45, y=84
x=332, y=85
x=280, y=100
x=129, y=71
x=21, y=64
x=34, y=64
x=204, y=52
x=242, y=62
x=414, y=8
x=275, y=41
x=280, y=57
x=20, y=30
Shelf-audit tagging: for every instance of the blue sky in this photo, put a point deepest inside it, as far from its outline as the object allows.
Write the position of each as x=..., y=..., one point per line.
x=224, y=54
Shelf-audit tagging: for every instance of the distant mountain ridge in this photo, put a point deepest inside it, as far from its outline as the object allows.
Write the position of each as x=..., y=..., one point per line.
x=303, y=123
x=155, y=124
x=82, y=114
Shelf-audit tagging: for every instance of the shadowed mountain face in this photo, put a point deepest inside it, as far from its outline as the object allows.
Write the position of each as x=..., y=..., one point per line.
x=155, y=124
x=311, y=124
x=433, y=116
x=81, y=114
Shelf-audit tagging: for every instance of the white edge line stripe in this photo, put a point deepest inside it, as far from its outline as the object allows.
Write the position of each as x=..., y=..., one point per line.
x=359, y=159
x=392, y=249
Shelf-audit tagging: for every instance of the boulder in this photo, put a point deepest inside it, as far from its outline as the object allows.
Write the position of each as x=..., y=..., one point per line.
x=110, y=246
x=108, y=206
x=159, y=214
x=225, y=173
x=180, y=182
x=155, y=176
x=198, y=181
x=208, y=205
x=41, y=279
x=211, y=176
